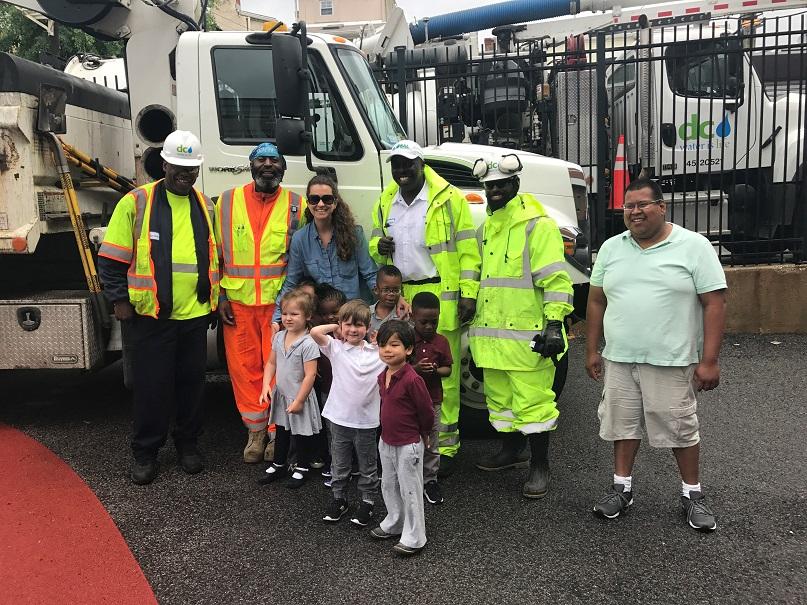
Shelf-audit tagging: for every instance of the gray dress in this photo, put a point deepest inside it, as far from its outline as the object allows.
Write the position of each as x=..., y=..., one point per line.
x=288, y=376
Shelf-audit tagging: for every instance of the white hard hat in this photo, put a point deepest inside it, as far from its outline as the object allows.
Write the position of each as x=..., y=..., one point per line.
x=497, y=169
x=182, y=148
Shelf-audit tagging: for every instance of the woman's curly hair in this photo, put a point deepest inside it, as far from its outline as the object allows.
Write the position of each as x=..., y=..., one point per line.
x=344, y=225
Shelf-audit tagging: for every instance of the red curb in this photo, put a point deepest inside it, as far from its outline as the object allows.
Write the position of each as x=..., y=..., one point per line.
x=58, y=543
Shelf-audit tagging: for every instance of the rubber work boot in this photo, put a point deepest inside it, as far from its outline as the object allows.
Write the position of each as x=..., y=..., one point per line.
x=144, y=472
x=255, y=443
x=537, y=483
x=512, y=454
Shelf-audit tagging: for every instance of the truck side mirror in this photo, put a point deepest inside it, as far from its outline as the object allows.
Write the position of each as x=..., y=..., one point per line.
x=287, y=64
x=290, y=136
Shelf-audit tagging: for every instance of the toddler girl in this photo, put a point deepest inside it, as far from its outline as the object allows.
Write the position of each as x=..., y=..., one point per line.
x=294, y=409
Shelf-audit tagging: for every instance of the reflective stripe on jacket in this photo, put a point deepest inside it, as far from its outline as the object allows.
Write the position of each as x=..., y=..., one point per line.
x=250, y=276
x=524, y=284
x=449, y=236
x=142, y=285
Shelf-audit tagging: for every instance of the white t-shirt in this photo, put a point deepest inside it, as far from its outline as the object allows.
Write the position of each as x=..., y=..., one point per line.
x=406, y=225
x=353, y=400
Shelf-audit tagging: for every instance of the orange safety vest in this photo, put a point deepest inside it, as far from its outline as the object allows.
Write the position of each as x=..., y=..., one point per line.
x=249, y=276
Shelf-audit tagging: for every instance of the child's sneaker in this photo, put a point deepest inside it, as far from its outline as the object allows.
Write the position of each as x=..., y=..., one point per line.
x=298, y=478
x=363, y=514
x=336, y=509
x=273, y=473
x=433, y=493
x=317, y=463
x=326, y=472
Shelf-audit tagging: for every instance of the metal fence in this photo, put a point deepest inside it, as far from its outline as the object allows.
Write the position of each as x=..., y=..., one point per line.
x=714, y=111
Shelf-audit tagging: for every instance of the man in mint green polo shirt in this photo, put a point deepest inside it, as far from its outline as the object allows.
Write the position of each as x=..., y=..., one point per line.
x=658, y=293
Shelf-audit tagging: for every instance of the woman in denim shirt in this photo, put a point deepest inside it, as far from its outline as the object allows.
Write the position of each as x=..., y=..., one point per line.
x=330, y=248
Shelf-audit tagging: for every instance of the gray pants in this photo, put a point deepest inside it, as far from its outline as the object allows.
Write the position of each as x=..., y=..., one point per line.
x=402, y=488
x=343, y=440
x=431, y=457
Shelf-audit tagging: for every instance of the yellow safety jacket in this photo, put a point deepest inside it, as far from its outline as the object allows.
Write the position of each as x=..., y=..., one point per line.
x=128, y=241
x=449, y=235
x=524, y=284
x=250, y=276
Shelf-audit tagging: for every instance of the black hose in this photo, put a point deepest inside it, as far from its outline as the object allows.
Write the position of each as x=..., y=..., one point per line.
x=192, y=25
x=203, y=17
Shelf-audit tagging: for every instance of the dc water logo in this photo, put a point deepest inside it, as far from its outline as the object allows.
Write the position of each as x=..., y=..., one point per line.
x=183, y=149
x=695, y=129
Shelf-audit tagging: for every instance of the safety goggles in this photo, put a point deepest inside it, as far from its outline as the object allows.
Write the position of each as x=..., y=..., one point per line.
x=508, y=165
x=326, y=199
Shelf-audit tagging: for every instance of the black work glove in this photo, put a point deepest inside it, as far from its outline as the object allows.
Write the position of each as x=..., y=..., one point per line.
x=549, y=343
x=386, y=246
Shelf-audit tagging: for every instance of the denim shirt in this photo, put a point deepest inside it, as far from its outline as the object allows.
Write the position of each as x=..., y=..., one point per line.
x=308, y=260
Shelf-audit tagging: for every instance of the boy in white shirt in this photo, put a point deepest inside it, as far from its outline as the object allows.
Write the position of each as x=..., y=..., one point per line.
x=352, y=409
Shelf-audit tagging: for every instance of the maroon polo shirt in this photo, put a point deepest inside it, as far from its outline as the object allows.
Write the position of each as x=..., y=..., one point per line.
x=406, y=407
x=437, y=351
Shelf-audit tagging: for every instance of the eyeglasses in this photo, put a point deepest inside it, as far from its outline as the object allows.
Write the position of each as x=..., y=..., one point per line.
x=327, y=199
x=643, y=205
x=390, y=290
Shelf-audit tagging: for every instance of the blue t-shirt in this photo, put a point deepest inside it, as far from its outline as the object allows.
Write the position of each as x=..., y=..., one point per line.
x=653, y=314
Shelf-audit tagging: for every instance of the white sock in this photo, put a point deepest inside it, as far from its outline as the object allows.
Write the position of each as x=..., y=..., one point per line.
x=626, y=481
x=686, y=488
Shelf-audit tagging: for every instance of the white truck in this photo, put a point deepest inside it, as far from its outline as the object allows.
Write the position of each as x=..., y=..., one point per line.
x=712, y=102
x=234, y=89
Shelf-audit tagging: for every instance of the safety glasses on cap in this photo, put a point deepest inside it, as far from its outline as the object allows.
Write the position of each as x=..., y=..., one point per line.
x=507, y=166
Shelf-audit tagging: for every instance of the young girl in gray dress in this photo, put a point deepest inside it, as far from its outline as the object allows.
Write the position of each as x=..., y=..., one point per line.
x=294, y=409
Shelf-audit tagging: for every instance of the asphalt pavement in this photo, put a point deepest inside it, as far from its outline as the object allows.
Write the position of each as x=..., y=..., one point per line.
x=220, y=538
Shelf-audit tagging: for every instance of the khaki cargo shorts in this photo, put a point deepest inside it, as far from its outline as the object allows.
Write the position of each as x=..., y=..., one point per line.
x=660, y=399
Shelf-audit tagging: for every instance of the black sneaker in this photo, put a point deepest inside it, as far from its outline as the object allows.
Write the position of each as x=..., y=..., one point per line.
x=144, y=472
x=432, y=492
x=699, y=515
x=363, y=514
x=614, y=503
x=317, y=463
x=326, y=472
x=336, y=509
x=191, y=460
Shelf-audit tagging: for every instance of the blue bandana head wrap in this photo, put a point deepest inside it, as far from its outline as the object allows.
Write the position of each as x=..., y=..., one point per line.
x=265, y=150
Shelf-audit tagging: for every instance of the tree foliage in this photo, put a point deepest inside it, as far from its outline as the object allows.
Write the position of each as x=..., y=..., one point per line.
x=21, y=37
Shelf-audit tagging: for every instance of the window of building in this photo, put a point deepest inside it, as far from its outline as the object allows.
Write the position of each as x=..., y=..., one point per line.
x=326, y=7
x=247, y=103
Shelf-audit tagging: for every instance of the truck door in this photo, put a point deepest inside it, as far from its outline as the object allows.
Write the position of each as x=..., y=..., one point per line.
x=241, y=112
x=708, y=109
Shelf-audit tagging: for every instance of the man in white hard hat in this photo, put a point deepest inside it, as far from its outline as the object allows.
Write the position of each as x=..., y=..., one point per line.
x=517, y=334
x=422, y=224
x=159, y=267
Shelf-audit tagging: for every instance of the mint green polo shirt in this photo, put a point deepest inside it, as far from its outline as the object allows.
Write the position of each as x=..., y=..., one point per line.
x=653, y=313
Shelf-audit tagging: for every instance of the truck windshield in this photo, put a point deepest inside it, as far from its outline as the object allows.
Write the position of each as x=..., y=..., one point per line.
x=369, y=96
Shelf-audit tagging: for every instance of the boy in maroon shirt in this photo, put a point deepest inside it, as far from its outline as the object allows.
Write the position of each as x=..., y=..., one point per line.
x=433, y=363
x=406, y=420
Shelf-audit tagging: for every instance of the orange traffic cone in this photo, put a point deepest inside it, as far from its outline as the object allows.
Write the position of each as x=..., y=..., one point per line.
x=619, y=178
